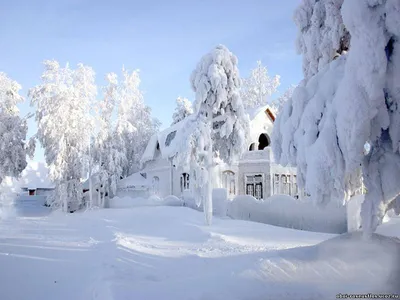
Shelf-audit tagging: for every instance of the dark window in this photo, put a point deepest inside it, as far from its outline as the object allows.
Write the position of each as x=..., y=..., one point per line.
x=184, y=181
x=254, y=186
x=170, y=138
x=263, y=141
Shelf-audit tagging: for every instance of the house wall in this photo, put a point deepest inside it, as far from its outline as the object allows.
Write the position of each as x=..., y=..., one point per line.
x=255, y=168
x=160, y=168
x=260, y=124
x=41, y=192
x=281, y=170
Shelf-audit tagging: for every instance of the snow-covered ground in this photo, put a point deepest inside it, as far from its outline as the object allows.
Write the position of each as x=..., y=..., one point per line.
x=167, y=253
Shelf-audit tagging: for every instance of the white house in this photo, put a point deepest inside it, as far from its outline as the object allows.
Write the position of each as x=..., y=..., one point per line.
x=34, y=181
x=254, y=174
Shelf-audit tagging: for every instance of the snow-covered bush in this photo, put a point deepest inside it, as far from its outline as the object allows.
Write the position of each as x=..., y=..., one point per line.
x=189, y=200
x=220, y=199
x=172, y=201
x=127, y=202
x=352, y=101
x=258, y=87
x=154, y=199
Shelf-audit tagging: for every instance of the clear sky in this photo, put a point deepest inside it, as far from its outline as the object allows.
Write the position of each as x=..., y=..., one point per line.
x=163, y=38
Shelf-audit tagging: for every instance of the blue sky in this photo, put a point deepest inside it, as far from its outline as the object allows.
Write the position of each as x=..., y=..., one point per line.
x=164, y=39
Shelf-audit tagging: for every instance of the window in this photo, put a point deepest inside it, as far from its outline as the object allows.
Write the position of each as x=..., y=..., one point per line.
x=276, y=184
x=31, y=192
x=263, y=141
x=252, y=147
x=254, y=186
x=228, y=182
x=294, y=182
x=156, y=185
x=184, y=181
x=284, y=185
x=169, y=138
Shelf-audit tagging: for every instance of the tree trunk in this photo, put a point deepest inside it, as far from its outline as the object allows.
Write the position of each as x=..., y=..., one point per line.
x=64, y=197
x=90, y=204
x=381, y=171
x=99, y=184
x=208, y=205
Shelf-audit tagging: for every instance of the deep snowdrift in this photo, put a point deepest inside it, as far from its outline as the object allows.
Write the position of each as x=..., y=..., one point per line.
x=167, y=253
x=285, y=211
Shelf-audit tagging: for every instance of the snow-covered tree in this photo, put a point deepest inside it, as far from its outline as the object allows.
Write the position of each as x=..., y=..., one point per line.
x=135, y=126
x=13, y=129
x=257, y=89
x=63, y=103
x=278, y=103
x=322, y=34
x=108, y=156
x=352, y=101
x=220, y=113
x=182, y=110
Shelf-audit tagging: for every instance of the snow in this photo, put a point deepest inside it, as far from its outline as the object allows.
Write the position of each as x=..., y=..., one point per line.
x=35, y=175
x=13, y=129
x=353, y=213
x=253, y=112
x=285, y=211
x=321, y=33
x=182, y=110
x=129, y=202
x=167, y=253
x=258, y=87
x=135, y=180
x=167, y=140
x=220, y=200
x=172, y=201
x=349, y=102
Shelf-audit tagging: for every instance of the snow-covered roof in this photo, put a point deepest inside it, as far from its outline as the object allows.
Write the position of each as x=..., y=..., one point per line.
x=254, y=112
x=35, y=176
x=136, y=180
x=167, y=141
x=95, y=180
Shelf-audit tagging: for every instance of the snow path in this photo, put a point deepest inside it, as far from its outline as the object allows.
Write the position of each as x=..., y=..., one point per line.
x=159, y=253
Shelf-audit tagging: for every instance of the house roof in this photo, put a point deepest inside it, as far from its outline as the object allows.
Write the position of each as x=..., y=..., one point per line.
x=254, y=112
x=35, y=176
x=95, y=180
x=136, y=180
x=167, y=141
